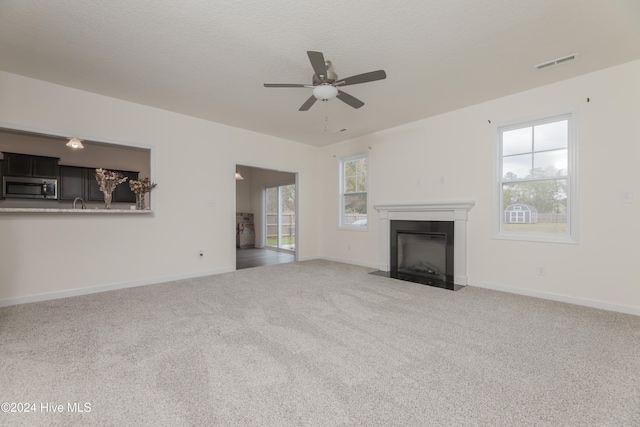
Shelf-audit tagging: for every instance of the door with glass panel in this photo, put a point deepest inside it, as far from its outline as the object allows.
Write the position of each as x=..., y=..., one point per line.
x=281, y=217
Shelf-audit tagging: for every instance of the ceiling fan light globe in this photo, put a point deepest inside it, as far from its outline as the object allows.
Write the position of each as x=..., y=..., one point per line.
x=325, y=92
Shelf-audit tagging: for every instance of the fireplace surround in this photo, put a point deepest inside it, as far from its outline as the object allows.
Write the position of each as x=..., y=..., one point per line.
x=453, y=212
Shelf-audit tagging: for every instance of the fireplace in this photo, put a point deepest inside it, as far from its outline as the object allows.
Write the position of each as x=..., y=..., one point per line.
x=422, y=252
x=425, y=242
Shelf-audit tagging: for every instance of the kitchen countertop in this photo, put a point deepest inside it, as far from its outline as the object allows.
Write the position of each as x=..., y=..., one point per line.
x=76, y=211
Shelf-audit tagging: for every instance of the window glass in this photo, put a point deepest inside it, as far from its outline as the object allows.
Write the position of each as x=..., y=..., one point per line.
x=354, y=187
x=514, y=167
x=516, y=141
x=536, y=178
x=550, y=163
x=551, y=136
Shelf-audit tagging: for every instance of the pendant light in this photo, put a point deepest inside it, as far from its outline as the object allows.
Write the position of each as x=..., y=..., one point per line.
x=75, y=143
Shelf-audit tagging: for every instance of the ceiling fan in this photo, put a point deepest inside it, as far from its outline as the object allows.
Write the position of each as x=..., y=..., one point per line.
x=325, y=82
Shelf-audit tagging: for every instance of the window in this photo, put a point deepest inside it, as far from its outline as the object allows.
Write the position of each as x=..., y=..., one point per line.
x=354, y=177
x=536, y=178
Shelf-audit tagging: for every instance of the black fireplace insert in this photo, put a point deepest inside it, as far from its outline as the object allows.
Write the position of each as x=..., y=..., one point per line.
x=422, y=252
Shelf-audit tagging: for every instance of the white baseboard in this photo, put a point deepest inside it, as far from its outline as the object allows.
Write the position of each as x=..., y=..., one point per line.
x=587, y=302
x=308, y=258
x=344, y=261
x=6, y=302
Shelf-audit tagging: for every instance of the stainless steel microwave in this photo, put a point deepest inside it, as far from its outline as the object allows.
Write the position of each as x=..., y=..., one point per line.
x=29, y=188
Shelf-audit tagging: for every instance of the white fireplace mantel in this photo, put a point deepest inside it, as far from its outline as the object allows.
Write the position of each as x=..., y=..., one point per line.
x=456, y=211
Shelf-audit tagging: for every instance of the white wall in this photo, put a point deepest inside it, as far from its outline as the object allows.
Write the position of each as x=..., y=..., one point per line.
x=193, y=163
x=406, y=164
x=243, y=190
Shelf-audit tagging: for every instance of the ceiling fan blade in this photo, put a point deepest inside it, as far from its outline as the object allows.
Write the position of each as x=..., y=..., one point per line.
x=318, y=64
x=285, y=85
x=371, y=76
x=348, y=99
x=308, y=103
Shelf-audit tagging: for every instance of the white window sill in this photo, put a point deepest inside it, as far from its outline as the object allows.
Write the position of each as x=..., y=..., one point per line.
x=536, y=238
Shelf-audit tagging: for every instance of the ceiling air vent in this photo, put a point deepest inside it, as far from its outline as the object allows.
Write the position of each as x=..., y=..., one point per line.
x=557, y=61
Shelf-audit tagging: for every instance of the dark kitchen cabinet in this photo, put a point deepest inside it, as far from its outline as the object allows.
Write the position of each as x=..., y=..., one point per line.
x=73, y=183
x=123, y=193
x=46, y=167
x=81, y=182
x=30, y=166
x=93, y=189
x=17, y=164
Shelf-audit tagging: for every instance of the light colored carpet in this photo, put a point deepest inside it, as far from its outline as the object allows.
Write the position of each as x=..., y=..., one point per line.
x=318, y=343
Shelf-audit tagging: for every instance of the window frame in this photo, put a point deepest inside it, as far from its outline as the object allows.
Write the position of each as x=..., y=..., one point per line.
x=572, y=181
x=341, y=192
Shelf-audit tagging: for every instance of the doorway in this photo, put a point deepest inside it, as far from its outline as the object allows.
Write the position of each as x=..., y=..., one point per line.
x=280, y=217
x=275, y=235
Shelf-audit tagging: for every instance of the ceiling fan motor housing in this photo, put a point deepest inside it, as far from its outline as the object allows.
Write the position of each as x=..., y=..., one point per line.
x=329, y=77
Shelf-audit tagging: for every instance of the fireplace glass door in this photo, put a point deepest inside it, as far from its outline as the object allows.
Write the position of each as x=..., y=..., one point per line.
x=423, y=254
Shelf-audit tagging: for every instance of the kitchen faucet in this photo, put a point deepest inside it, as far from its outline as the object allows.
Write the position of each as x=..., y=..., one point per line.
x=81, y=201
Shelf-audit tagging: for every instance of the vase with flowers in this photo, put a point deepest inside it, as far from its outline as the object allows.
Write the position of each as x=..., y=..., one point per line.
x=108, y=181
x=140, y=188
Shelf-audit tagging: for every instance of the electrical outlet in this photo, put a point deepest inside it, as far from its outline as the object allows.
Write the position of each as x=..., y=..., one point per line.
x=540, y=270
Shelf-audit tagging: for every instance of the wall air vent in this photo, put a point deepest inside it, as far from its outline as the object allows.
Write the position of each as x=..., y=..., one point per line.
x=557, y=61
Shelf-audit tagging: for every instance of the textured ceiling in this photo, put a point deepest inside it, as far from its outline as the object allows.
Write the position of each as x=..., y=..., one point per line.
x=209, y=59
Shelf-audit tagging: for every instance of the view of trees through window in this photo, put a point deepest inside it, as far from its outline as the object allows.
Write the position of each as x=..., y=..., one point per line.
x=354, y=192
x=535, y=177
